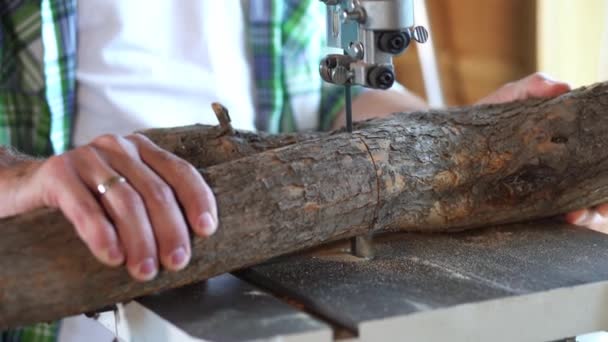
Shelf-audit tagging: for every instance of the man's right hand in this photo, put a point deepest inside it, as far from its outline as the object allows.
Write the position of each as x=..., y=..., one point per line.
x=138, y=222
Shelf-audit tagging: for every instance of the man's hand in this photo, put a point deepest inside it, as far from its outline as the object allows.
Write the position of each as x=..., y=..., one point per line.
x=538, y=85
x=140, y=221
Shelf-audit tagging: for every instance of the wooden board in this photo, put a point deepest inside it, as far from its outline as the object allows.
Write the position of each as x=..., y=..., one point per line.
x=535, y=282
x=539, y=281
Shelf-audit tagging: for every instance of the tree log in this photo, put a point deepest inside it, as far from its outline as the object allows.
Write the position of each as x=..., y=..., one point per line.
x=430, y=171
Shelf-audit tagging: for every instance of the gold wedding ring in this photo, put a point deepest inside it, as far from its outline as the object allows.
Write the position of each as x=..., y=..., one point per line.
x=105, y=186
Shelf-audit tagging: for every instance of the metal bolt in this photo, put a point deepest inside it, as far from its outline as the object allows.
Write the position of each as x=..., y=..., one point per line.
x=356, y=50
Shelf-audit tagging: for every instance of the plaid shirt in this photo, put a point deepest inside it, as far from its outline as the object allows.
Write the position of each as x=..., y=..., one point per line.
x=37, y=97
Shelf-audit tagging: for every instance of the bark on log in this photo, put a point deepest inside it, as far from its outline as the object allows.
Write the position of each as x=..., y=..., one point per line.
x=428, y=171
x=205, y=146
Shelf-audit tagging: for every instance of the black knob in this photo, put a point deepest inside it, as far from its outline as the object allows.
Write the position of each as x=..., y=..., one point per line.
x=393, y=42
x=381, y=77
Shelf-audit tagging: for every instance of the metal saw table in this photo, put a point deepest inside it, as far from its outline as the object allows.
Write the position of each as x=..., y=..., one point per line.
x=529, y=282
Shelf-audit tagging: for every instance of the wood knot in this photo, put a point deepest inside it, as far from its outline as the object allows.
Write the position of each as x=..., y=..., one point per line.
x=529, y=180
x=559, y=140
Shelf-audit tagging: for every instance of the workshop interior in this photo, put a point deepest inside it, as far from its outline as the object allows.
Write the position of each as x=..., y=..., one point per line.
x=481, y=46
x=531, y=281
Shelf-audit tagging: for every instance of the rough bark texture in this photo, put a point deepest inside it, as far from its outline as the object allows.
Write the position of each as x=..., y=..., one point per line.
x=428, y=171
x=205, y=146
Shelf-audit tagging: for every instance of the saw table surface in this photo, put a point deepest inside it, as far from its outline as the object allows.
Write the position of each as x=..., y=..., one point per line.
x=530, y=282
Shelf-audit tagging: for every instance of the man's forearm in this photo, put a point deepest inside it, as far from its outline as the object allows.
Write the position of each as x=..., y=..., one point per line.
x=14, y=166
x=381, y=103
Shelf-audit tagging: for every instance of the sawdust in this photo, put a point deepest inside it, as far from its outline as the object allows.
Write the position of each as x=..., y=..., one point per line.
x=489, y=239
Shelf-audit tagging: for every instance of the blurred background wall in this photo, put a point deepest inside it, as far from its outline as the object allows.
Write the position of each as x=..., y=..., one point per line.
x=482, y=44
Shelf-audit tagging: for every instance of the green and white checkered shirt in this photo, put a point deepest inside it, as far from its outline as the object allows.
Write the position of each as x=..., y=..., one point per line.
x=37, y=97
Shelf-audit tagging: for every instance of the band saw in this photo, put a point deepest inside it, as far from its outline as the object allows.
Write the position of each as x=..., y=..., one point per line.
x=538, y=281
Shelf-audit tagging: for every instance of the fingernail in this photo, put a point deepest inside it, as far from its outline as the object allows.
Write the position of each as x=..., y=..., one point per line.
x=583, y=218
x=115, y=255
x=207, y=225
x=602, y=210
x=551, y=81
x=179, y=258
x=547, y=78
x=147, y=269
